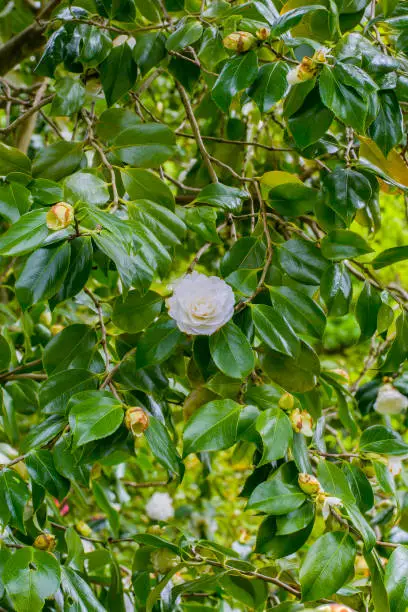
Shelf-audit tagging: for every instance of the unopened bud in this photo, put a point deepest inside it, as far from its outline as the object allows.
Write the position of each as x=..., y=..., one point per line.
x=309, y=484
x=302, y=422
x=334, y=607
x=342, y=373
x=60, y=216
x=320, y=56
x=390, y=400
x=136, y=420
x=263, y=33
x=305, y=71
x=56, y=329
x=239, y=41
x=45, y=541
x=83, y=529
x=286, y=402
x=96, y=471
x=163, y=560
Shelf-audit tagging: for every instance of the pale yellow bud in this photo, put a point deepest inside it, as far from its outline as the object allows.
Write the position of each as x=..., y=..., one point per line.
x=136, y=420
x=60, y=216
x=239, y=41
x=163, y=560
x=45, y=541
x=263, y=33
x=302, y=422
x=56, y=329
x=83, y=529
x=286, y=402
x=305, y=71
x=309, y=484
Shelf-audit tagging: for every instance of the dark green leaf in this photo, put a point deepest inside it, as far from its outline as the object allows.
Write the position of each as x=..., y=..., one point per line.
x=387, y=128
x=163, y=448
x=136, y=312
x=158, y=342
x=270, y=85
x=186, y=33
x=41, y=468
x=93, y=415
x=295, y=375
x=302, y=260
x=212, y=427
x=237, y=74
x=273, y=329
x=26, y=234
x=346, y=192
x=143, y=184
x=13, y=160
x=118, y=73
x=231, y=351
x=71, y=348
x=390, y=256
x=396, y=579
x=336, y=290
x=301, y=312
x=149, y=50
x=367, y=309
x=276, y=432
x=382, y=440
x=222, y=196
x=58, y=160
x=147, y=145
x=14, y=495
x=343, y=244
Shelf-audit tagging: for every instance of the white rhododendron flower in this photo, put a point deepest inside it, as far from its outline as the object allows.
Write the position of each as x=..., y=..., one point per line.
x=390, y=400
x=201, y=304
x=160, y=507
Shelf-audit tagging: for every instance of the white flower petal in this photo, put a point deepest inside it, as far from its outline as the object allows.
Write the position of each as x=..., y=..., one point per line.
x=390, y=400
x=160, y=507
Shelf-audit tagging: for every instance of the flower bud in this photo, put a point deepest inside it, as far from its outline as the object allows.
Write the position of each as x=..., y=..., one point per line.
x=83, y=529
x=136, y=420
x=239, y=41
x=342, y=373
x=45, y=541
x=305, y=71
x=286, y=402
x=56, y=329
x=334, y=607
x=263, y=33
x=60, y=216
x=320, y=55
x=390, y=400
x=163, y=560
x=302, y=422
x=309, y=484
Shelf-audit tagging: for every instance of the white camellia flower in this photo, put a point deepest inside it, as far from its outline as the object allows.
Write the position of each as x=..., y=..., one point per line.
x=201, y=304
x=160, y=507
x=395, y=465
x=390, y=400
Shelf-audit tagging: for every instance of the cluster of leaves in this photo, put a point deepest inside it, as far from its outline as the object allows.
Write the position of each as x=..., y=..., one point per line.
x=172, y=130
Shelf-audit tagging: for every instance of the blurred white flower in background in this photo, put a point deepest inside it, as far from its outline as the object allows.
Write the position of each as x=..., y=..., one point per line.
x=201, y=304
x=160, y=507
x=390, y=400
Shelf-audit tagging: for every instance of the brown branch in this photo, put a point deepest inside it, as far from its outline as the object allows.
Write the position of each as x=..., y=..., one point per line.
x=22, y=118
x=25, y=43
x=197, y=134
x=241, y=143
x=145, y=485
x=116, y=368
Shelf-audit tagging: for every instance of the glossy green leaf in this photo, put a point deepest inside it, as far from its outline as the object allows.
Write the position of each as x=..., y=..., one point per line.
x=276, y=432
x=149, y=50
x=158, y=342
x=186, y=33
x=302, y=260
x=396, y=579
x=382, y=440
x=41, y=468
x=270, y=85
x=147, y=145
x=336, y=290
x=163, y=448
x=13, y=160
x=295, y=375
x=343, y=244
x=237, y=74
x=222, y=196
x=26, y=234
x=93, y=415
x=303, y=314
x=118, y=73
x=212, y=427
x=58, y=160
x=231, y=351
x=136, y=312
x=273, y=329
x=71, y=348
x=143, y=184
x=390, y=256
x=14, y=496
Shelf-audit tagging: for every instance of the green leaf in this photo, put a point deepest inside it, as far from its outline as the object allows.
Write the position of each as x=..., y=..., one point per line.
x=379, y=593
x=120, y=10
x=143, y=184
x=69, y=97
x=302, y=260
x=43, y=274
x=382, y=440
x=347, y=103
x=212, y=427
x=58, y=160
x=387, y=128
x=276, y=432
x=103, y=500
x=30, y=577
x=360, y=486
x=118, y=73
x=336, y=290
x=26, y=234
x=87, y=187
x=294, y=375
x=292, y=199
x=327, y=565
x=146, y=145
x=163, y=448
x=15, y=200
x=95, y=45
x=41, y=468
x=334, y=481
x=367, y=308
x=93, y=415
x=80, y=265
x=202, y=220
x=231, y=351
x=347, y=191
x=301, y=312
x=14, y=496
x=136, y=312
x=270, y=85
x=77, y=591
x=113, y=121
x=292, y=18
x=311, y=121
x=186, y=33
x=5, y=353
x=270, y=542
x=71, y=348
x=158, y=342
x=44, y=432
x=399, y=348
x=276, y=497
x=247, y=253
x=273, y=329
x=222, y=196
x=343, y=244
x=149, y=50
x=237, y=74
x=296, y=520
x=55, y=392
x=367, y=533
x=13, y=160
x=396, y=579
x=390, y=256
